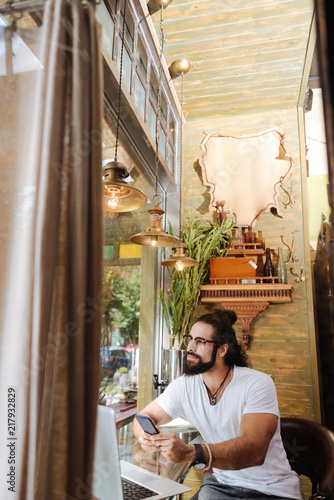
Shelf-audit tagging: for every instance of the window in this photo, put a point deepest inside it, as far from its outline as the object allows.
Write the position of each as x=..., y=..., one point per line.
x=128, y=266
x=129, y=26
x=142, y=59
x=108, y=27
x=139, y=71
x=127, y=65
x=139, y=96
x=122, y=280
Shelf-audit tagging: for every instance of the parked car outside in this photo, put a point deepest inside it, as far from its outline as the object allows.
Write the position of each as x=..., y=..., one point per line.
x=113, y=358
x=131, y=347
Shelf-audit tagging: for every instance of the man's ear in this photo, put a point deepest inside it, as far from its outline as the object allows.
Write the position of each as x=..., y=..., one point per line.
x=222, y=350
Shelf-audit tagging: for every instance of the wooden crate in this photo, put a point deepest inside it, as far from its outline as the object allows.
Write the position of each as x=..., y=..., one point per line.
x=232, y=267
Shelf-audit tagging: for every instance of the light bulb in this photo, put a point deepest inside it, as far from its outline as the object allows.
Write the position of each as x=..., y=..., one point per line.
x=179, y=266
x=154, y=241
x=113, y=200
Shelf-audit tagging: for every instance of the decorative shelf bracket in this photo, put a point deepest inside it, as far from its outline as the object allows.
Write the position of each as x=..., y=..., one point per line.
x=246, y=312
x=247, y=301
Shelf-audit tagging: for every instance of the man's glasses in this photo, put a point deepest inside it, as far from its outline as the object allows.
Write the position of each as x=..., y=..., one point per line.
x=199, y=342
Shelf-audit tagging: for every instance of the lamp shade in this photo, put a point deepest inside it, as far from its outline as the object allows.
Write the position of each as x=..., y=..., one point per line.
x=154, y=235
x=179, y=67
x=155, y=5
x=118, y=195
x=179, y=259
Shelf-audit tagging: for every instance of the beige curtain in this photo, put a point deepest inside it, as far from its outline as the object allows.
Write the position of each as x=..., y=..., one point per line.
x=50, y=251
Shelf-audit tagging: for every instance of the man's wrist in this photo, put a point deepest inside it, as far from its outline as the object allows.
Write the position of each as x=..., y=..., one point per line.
x=199, y=462
x=192, y=454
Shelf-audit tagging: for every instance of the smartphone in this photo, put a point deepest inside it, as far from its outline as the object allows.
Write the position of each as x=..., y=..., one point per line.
x=147, y=424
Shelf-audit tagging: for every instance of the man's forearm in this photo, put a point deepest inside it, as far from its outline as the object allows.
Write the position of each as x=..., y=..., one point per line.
x=235, y=454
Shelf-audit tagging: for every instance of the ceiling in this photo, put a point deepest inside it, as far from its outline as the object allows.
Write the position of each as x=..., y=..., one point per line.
x=244, y=54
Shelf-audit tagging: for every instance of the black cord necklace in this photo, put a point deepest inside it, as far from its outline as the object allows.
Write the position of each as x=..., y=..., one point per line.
x=212, y=397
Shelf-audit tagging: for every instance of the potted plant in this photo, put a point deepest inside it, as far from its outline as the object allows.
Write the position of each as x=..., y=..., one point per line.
x=204, y=239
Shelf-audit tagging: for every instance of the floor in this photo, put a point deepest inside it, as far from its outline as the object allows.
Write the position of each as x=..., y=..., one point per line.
x=194, y=481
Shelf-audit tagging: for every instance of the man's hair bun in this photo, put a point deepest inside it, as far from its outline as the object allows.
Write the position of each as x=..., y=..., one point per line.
x=226, y=315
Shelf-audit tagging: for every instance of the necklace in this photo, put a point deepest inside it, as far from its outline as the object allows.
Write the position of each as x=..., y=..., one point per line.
x=212, y=397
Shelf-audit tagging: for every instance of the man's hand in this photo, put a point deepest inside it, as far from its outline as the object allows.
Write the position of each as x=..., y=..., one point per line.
x=147, y=444
x=172, y=447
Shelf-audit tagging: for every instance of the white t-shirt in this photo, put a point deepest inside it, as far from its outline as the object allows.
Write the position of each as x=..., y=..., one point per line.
x=249, y=391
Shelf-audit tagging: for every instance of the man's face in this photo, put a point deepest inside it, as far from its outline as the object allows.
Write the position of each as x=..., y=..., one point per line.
x=201, y=357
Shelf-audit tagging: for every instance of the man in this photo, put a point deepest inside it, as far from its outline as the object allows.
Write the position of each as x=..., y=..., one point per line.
x=236, y=411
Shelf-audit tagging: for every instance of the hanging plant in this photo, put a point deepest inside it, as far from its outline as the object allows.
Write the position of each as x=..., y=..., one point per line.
x=204, y=239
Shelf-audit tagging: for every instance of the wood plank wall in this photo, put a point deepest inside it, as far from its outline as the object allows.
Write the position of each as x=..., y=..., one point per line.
x=283, y=336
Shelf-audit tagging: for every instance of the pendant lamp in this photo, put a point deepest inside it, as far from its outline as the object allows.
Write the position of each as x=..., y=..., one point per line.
x=154, y=235
x=179, y=259
x=154, y=5
x=118, y=195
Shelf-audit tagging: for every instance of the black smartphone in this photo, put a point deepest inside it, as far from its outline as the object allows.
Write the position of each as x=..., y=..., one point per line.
x=147, y=424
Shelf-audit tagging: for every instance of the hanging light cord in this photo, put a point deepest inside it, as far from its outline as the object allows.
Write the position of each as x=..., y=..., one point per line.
x=157, y=130
x=120, y=80
x=181, y=160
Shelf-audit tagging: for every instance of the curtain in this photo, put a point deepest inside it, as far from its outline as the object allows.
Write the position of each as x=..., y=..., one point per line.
x=50, y=250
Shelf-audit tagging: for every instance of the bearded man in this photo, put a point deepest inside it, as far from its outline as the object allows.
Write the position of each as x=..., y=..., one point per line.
x=234, y=408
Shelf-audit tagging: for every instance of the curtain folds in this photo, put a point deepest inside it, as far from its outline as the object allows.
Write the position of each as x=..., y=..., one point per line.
x=51, y=249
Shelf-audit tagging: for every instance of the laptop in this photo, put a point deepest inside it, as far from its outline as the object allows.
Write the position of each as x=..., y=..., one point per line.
x=110, y=471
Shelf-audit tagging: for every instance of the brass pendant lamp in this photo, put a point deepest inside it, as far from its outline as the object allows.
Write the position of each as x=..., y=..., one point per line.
x=154, y=5
x=118, y=195
x=154, y=235
x=179, y=259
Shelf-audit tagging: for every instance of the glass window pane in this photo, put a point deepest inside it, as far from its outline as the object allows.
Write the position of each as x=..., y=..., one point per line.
x=162, y=143
x=121, y=284
x=163, y=110
x=152, y=120
x=127, y=66
x=112, y=5
x=171, y=130
x=129, y=25
x=154, y=87
x=139, y=96
x=142, y=58
x=108, y=27
x=170, y=159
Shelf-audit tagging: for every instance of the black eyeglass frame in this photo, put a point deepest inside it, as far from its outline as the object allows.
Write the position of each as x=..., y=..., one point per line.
x=198, y=340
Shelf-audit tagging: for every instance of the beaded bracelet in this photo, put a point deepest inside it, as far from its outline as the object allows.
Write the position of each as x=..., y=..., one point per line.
x=210, y=456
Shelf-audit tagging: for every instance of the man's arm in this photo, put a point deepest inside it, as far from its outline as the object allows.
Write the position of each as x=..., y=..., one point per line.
x=156, y=413
x=159, y=417
x=248, y=450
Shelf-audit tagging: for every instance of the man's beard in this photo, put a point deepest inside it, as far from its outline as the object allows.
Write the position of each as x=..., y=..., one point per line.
x=200, y=367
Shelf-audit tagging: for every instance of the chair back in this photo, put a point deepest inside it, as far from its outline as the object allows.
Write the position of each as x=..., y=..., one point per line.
x=310, y=450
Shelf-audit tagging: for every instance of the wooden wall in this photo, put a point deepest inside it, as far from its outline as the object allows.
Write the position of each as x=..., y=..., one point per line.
x=283, y=343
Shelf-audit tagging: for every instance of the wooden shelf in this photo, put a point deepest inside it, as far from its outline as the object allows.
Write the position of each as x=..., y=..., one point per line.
x=246, y=300
x=245, y=250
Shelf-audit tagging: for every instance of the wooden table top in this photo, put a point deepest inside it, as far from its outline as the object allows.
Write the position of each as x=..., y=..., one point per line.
x=124, y=413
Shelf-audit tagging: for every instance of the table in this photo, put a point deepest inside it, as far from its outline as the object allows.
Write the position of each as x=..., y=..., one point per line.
x=124, y=413
x=131, y=451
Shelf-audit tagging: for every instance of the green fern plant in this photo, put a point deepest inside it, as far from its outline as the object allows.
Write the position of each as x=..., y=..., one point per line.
x=204, y=239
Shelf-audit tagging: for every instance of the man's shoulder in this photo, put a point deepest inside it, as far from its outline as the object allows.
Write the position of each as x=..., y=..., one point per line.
x=245, y=373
